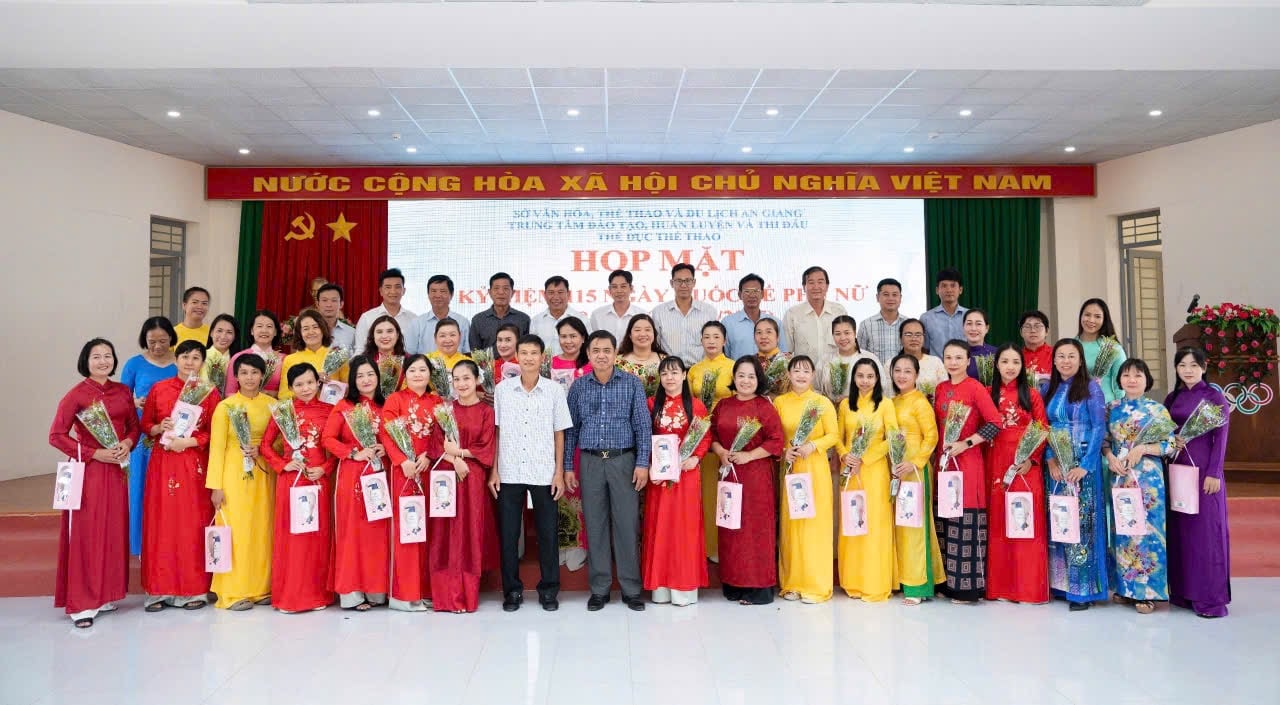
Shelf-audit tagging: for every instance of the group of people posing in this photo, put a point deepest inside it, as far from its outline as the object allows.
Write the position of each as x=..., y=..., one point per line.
x=560, y=409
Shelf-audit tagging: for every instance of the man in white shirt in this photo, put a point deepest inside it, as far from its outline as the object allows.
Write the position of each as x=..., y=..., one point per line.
x=329, y=303
x=391, y=288
x=807, y=326
x=679, y=322
x=543, y=324
x=741, y=326
x=531, y=415
x=615, y=317
x=420, y=336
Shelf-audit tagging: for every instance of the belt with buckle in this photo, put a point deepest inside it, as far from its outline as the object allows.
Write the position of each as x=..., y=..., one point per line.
x=607, y=453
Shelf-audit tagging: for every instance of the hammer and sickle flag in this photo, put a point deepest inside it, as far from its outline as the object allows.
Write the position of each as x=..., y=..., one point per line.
x=305, y=225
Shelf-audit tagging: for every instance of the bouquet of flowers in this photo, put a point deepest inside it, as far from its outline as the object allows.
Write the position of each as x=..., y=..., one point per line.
x=748, y=427
x=1063, y=447
x=897, y=454
x=272, y=361
x=708, y=392
x=334, y=360
x=1033, y=378
x=928, y=388
x=774, y=373
x=398, y=429
x=986, y=365
x=839, y=373
x=957, y=415
x=1206, y=417
x=239, y=419
x=286, y=418
x=448, y=424
x=195, y=391
x=544, y=369
x=1031, y=440
x=98, y=421
x=1157, y=430
x=698, y=428
x=808, y=419
x=484, y=359
x=215, y=368
x=861, y=440
x=389, y=369
x=1108, y=351
x=364, y=426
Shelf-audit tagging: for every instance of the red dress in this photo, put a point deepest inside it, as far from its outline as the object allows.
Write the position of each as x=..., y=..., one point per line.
x=1017, y=569
x=673, y=554
x=300, y=562
x=361, y=548
x=1039, y=360
x=462, y=547
x=93, y=546
x=176, y=506
x=748, y=555
x=409, y=579
x=981, y=411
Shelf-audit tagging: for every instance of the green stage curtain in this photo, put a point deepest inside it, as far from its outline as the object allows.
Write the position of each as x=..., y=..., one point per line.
x=995, y=244
x=247, y=265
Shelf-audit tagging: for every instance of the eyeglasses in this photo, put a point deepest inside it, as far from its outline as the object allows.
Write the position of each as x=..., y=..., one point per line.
x=682, y=282
x=752, y=292
x=1033, y=327
x=913, y=335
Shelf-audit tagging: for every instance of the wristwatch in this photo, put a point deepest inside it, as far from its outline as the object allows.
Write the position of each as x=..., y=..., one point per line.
x=352, y=454
x=968, y=442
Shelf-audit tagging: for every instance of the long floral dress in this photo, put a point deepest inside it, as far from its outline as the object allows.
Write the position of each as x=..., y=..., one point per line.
x=1077, y=572
x=1017, y=569
x=1139, y=564
x=671, y=555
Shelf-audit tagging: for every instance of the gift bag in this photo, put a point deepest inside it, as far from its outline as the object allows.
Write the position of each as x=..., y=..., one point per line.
x=1019, y=513
x=217, y=547
x=184, y=417
x=1128, y=513
x=1184, y=488
x=908, y=506
x=563, y=377
x=304, y=508
x=333, y=391
x=68, y=485
x=950, y=494
x=664, y=463
x=729, y=503
x=1064, y=518
x=413, y=518
x=799, y=489
x=444, y=493
x=853, y=510
x=377, y=496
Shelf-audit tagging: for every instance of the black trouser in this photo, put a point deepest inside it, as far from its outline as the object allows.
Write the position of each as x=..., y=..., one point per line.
x=546, y=517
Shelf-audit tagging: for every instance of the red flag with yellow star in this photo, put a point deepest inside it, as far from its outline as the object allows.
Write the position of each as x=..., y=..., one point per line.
x=343, y=241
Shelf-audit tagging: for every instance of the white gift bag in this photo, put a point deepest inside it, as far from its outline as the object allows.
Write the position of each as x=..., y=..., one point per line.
x=1184, y=488
x=377, y=496
x=1064, y=517
x=304, y=507
x=950, y=494
x=799, y=490
x=68, y=484
x=664, y=463
x=1129, y=516
x=443, y=493
x=333, y=392
x=1019, y=513
x=729, y=503
x=909, y=504
x=413, y=518
x=853, y=509
x=185, y=417
x=217, y=546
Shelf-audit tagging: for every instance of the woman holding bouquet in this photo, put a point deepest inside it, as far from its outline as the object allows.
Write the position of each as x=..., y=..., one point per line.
x=807, y=553
x=177, y=502
x=1097, y=333
x=410, y=582
x=1199, y=548
x=835, y=373
x=243, y=490
x=748, y=554
x=916, y=553
x=931, y=370
x=360, y=546
x=1074, y=403
x=223, y=343
x=640, y=352
x=140, y=372
x=1141, y=432
x=385, y=348
x=713, y=367
x=314, y=333
x=464, y=546
x=567, y=367
x=975, y=334
x=1017, y=569
x=866, y=562
x=964, y=538
x=672, y=553
x=300, y=562
x=264, y=330
x=93, y=545
x=772, y=360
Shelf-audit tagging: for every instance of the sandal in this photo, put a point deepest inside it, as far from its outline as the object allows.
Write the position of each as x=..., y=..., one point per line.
x=194, y=605
x=912, y=601
x=155, y=607
x=1121, y=599
x=241, y=606
x=1144, y=606
x=791, y=596
x=84, y=623
x=363, y=607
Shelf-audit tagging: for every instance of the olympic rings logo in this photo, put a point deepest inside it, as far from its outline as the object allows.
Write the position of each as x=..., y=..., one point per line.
x=1248, y=400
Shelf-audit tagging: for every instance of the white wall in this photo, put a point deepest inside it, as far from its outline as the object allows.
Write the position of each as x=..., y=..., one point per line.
x=76, y=216
x=1216, y=198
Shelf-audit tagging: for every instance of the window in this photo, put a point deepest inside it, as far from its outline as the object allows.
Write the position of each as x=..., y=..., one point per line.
x=168, y=264
x=1142, y=294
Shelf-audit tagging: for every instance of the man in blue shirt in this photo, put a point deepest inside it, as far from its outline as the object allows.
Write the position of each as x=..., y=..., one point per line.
x=612, y=428
x=741, y=326
x=946, y=320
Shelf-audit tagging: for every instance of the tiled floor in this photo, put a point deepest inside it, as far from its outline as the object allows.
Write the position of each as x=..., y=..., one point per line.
x=714, y=653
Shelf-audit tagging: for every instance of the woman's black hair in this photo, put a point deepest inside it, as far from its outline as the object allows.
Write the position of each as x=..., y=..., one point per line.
x=263, y=313
x=958, y=343
x=353, y=368
x=1079, y=390
x=187, y=346
x=852, y=324
x=235, y=333
x=795, y=361
x=575, y=323
x=877, y=392
x=253, y=360
x=1108, y=328
x=626, y=347
x=326, y=338
x=924, y=346
x=408, y=362
x=371, y=348
x=1136, y=363
x=469, y=365
x=157, y=323
x=1196, y=354
x=1024, y=389
x=902, y=356
x=82, y=365
x=686, y=396
x=754, y=363
x=300, y=369
x=777, y=329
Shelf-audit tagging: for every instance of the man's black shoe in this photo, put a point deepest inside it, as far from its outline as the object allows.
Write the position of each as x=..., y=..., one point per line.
x=597, y=603
x=635, y=602
x=512, y=601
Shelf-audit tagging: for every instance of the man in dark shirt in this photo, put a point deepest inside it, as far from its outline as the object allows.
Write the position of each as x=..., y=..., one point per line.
x=485, y=325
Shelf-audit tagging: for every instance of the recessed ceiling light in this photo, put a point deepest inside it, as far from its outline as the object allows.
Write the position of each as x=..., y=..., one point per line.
x=966, y=112
x=579, y=149
x=572, y=112
x=244, y=150
x=746, y=150
x=411, y=150
x=1068, y=148
x=1156, y=113
x=174, y=114
x=771, y=112
x=908, y=150
x=374, y=112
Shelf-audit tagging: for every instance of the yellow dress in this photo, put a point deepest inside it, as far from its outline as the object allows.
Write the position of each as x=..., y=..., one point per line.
x=805, y=553
x=916, y=574
x=249, y=504
x=200, y=335
x=451, y=360
x=866, y=562
x=316, y=358
x=710, y=465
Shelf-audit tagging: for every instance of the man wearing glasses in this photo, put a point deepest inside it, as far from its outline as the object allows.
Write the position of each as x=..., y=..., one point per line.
x=880, y=334
x=1037, y=355
x=680, y=321
x=742, y=325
